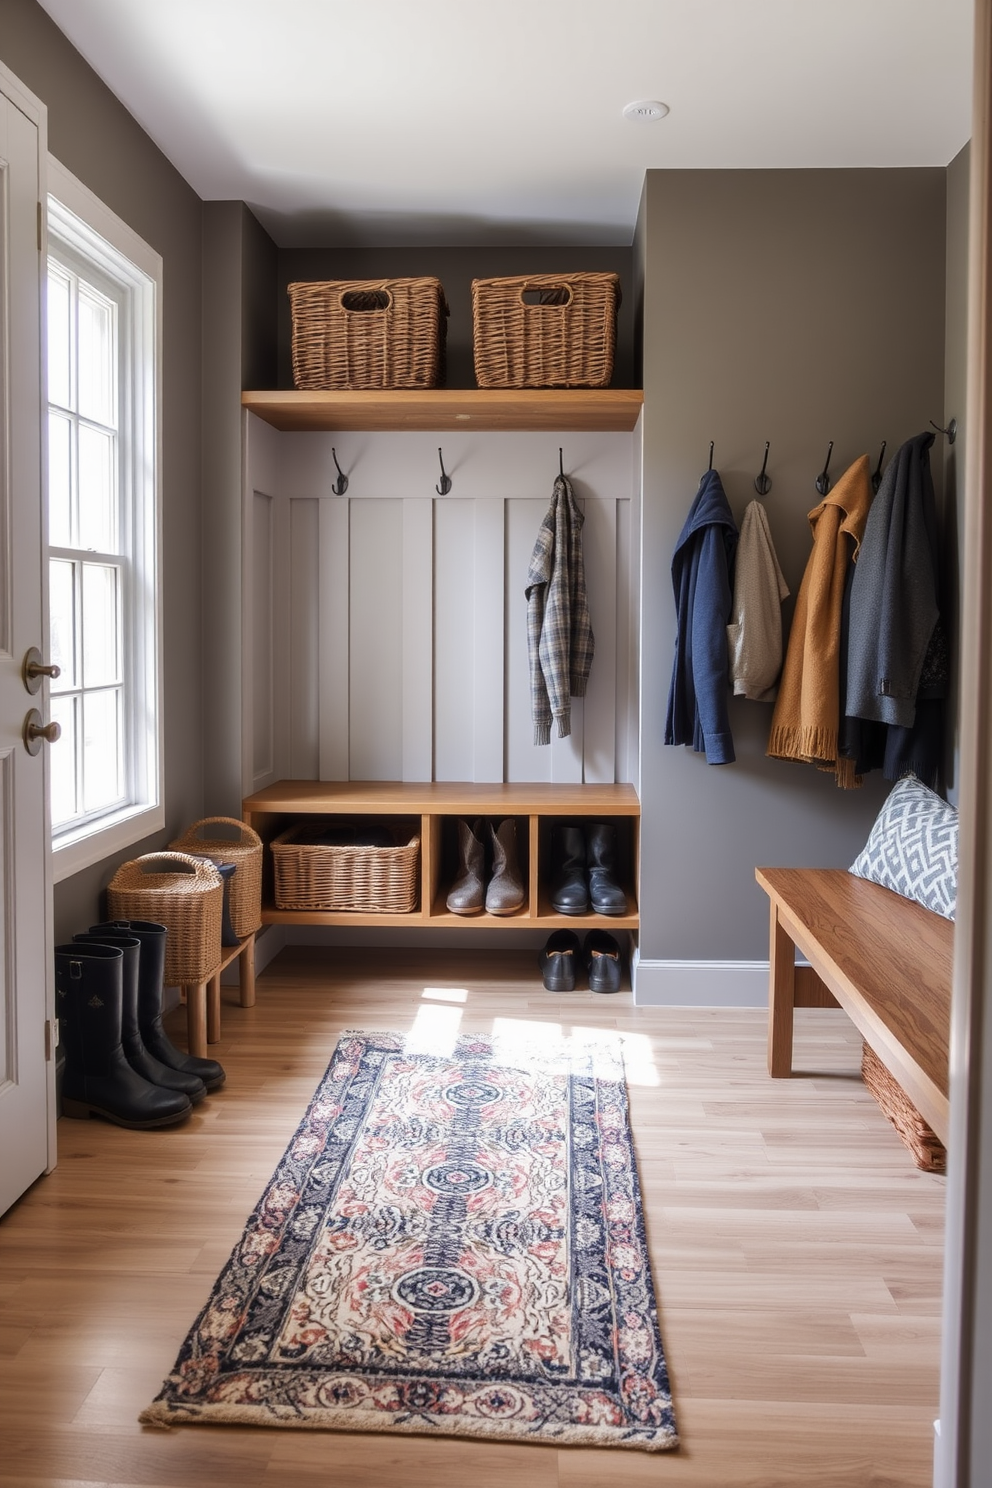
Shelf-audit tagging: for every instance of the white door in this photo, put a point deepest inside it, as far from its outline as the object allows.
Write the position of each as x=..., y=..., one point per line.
x=26, y=1080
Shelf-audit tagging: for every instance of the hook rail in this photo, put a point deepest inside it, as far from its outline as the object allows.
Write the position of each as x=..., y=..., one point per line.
x=951, y=431
x=341, y=484
x=822, y=482
x=763, y=482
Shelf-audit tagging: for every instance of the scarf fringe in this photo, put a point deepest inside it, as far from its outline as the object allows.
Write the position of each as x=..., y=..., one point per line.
x=812, y=745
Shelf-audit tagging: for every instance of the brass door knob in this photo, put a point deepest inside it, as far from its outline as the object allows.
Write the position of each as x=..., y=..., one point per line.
x=36, y=733
x=33, y=669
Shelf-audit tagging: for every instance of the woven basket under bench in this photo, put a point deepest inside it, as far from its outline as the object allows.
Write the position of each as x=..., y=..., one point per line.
x=311, y=873
x=929, y=1152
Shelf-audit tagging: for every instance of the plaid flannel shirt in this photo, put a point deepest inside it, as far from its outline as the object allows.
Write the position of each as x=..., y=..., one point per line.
x=560, y=641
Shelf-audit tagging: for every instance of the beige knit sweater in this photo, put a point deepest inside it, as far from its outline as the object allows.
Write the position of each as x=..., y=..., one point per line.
x=806, y=720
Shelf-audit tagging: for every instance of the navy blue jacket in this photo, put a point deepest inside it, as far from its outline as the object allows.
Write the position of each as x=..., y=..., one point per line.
x=702, y=571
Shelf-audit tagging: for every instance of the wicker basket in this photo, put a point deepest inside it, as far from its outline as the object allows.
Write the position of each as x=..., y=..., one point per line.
x=368, y=333
x=545, y=330
x=314, y=874
x=245, y=896
x=183, y=893
x=928, y=1150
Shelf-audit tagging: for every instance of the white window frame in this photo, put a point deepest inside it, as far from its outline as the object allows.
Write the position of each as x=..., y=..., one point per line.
x=80, y=220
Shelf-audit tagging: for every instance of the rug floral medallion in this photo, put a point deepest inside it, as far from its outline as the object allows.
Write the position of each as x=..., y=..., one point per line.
x=450, y=1245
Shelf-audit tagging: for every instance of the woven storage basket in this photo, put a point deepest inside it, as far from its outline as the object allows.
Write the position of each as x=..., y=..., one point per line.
x=183, y=893
x=245, y=896
x=565, y=340
x=928, y=1150
x=310, y=874
x=368, y=333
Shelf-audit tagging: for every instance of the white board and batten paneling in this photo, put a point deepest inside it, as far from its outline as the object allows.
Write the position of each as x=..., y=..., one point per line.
x=385, y=629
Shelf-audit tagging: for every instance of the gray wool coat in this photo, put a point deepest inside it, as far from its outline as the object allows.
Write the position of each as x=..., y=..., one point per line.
x=894, y=592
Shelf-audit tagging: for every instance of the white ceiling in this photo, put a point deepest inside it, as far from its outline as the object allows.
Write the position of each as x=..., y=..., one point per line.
x=469, y=121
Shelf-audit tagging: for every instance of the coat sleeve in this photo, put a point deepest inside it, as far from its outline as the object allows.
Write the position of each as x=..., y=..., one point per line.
x=710, y=662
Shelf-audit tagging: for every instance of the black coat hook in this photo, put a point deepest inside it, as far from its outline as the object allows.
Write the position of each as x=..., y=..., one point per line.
x=763, y=482
x=822, y=481
x=445, y=486
x=951, y=431
x=561, y=464
x=876, y=479
x=341, y=484
x=710, y=466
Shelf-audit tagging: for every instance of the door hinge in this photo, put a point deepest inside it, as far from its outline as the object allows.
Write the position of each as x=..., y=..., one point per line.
x=41, y=223
x=51, y=1038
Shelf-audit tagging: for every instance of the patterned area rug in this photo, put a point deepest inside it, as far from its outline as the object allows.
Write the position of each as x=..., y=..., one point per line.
x=450, y=1245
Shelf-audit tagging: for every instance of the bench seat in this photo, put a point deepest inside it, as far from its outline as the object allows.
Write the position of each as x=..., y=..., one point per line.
x=885, y=959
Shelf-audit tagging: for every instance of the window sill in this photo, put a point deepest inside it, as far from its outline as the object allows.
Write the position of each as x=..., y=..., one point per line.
x=79, y=850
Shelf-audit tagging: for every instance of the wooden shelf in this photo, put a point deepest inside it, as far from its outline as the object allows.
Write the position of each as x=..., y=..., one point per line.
x=534, y=805
x=609, y=410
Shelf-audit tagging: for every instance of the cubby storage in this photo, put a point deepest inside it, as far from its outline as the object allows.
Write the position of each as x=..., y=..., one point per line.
x=536, y=808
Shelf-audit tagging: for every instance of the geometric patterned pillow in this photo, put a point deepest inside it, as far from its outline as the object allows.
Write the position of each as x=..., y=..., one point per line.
x=913, y=848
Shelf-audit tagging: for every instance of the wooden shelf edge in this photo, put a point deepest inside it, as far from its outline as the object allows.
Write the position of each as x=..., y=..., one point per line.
x=602, y=410
x=443, y=919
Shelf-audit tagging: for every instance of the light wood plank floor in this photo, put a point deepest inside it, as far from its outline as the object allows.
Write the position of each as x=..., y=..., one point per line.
x=796, y=1253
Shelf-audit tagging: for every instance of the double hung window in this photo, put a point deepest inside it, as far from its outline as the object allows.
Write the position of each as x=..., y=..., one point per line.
x=102, y=308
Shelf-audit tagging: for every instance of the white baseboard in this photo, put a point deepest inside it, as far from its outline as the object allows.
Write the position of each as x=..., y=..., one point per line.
x=699, y=983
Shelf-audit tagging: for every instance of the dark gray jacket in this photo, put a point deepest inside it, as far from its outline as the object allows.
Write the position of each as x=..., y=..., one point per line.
x=894, y=592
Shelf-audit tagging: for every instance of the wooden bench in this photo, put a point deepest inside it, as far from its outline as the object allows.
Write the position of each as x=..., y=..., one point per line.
x=886, y=960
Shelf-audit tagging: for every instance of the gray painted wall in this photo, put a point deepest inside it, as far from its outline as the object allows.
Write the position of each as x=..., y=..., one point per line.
x=456, y=268
x=797, y=306
x=95, y=137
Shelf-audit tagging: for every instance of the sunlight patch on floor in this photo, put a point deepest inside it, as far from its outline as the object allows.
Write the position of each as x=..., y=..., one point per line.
x=446, y=994
x=434, y=1031
x=635, y=1049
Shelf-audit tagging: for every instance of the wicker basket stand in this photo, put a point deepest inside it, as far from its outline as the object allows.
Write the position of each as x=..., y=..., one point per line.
x=368, y=333
x=545, y=330
x=183, y=893
x=347, y=879
x=245, y=852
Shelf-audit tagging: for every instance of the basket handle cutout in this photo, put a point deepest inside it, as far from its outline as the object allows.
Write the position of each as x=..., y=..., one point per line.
x=175, y=863
x=552, y=296
x=365, y=301
x=237, y=830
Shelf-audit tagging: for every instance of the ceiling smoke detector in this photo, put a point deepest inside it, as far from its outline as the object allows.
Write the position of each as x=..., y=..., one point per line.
x=646, y=110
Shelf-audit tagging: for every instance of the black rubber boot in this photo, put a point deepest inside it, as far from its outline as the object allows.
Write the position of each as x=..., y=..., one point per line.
x=569, y=890
x=98, y=1080
x=150, y=973
x=606, y=895
x=137, y=1056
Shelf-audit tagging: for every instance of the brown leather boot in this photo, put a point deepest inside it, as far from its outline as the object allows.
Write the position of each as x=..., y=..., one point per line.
x=468, y=891
x=505, y=894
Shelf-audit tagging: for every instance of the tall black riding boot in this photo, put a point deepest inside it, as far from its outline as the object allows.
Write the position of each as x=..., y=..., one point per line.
x=607, y=897
x=98, y=1080
x=150, y=974
x=569, y=890
x=135, y=1053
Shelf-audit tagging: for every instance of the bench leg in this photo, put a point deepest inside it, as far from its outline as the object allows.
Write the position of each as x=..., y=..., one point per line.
x=781, y=997
x=246, y=973
x=196, y=1018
